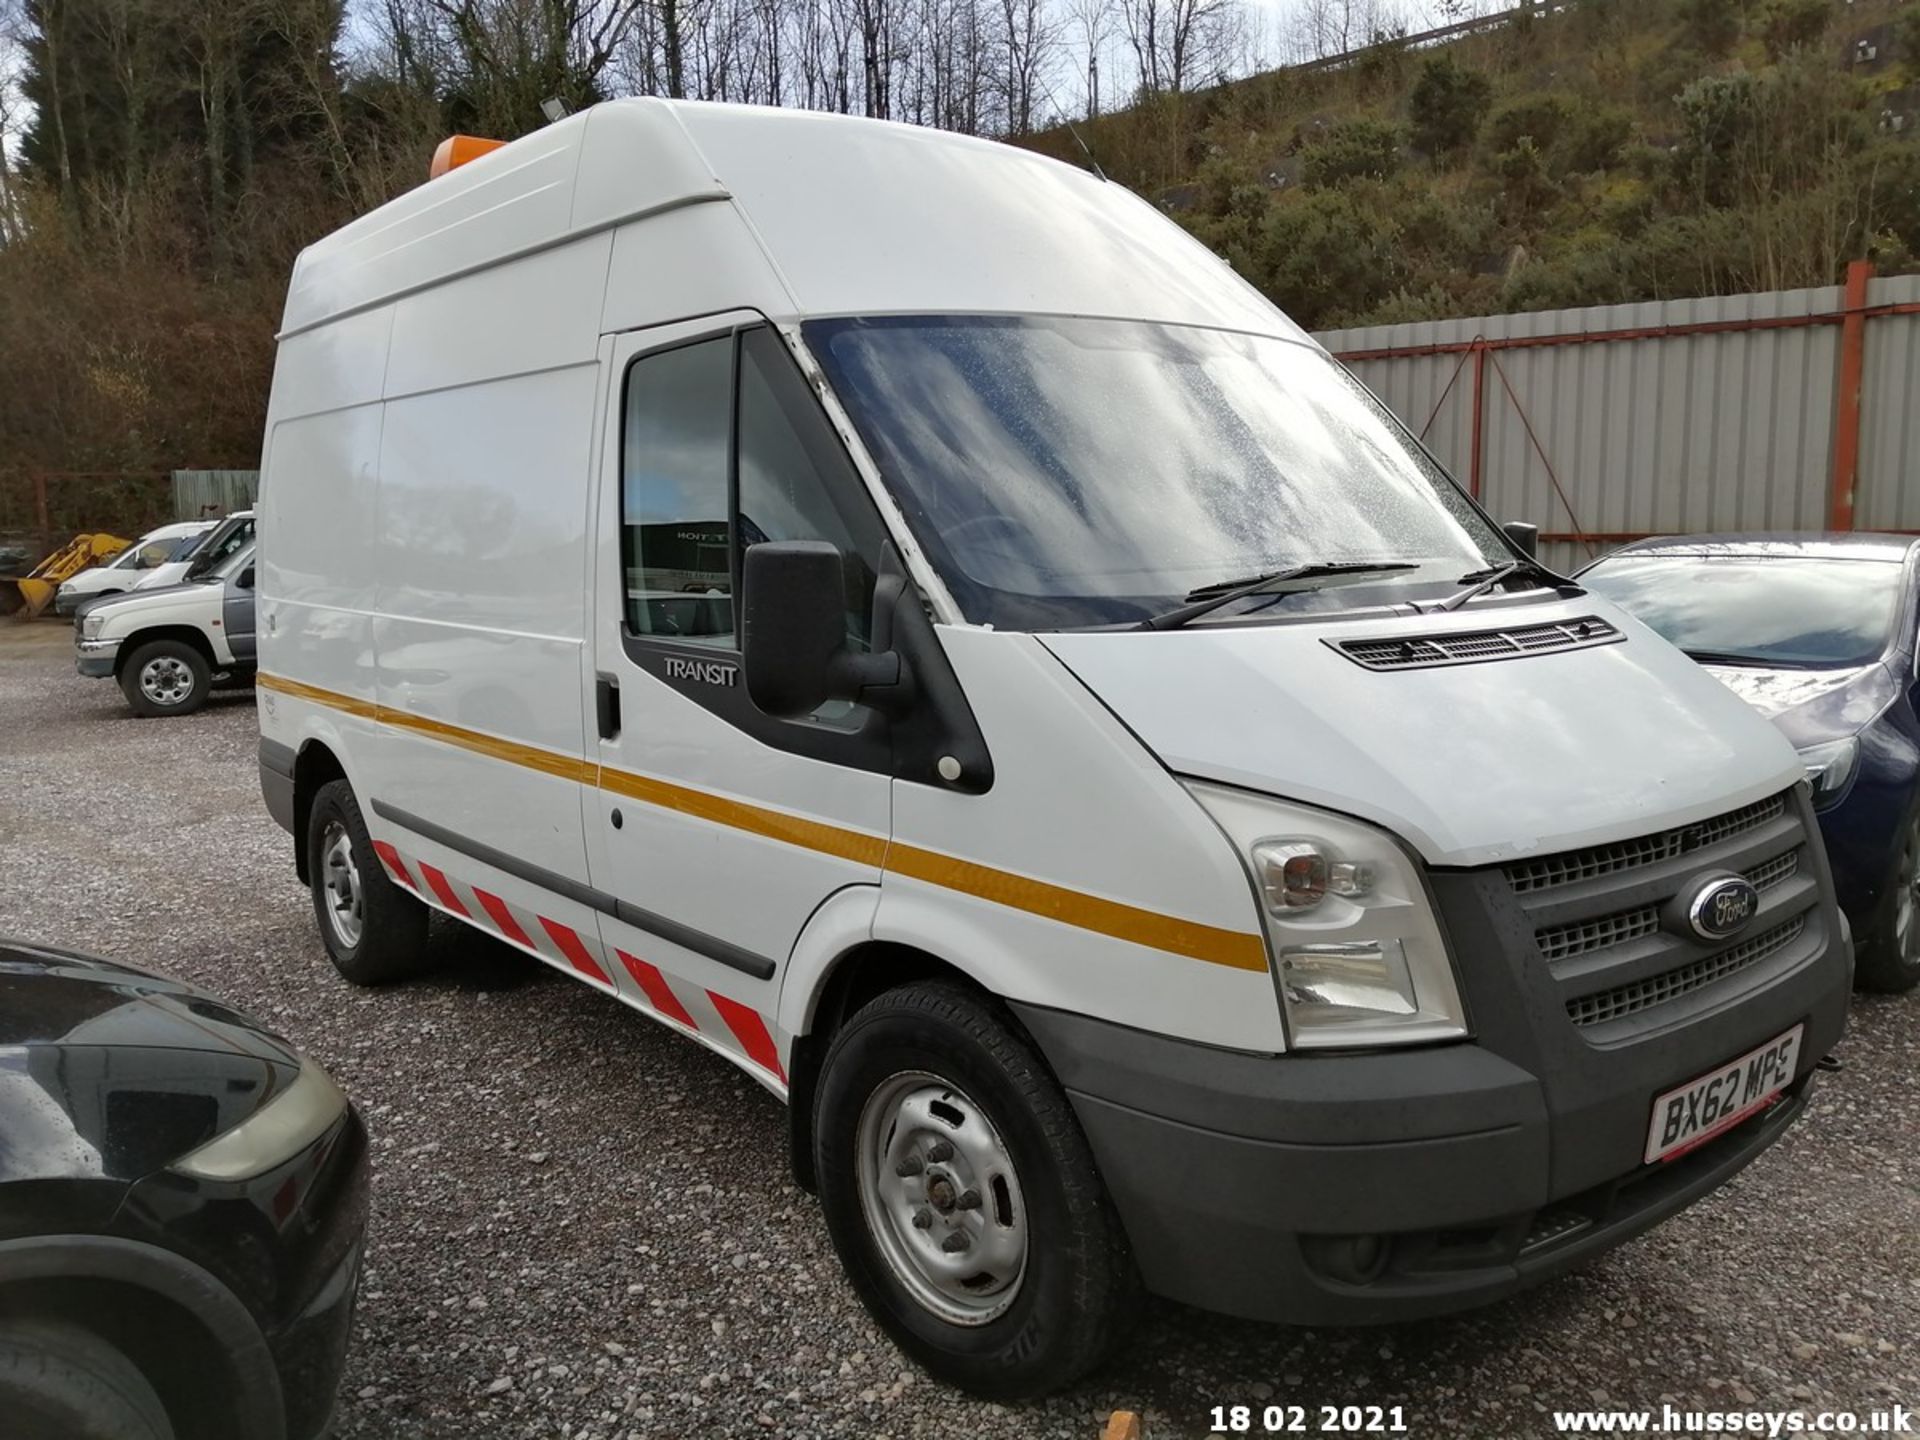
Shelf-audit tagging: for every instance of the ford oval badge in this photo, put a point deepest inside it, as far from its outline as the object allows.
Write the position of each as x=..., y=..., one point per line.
x=1722, y=907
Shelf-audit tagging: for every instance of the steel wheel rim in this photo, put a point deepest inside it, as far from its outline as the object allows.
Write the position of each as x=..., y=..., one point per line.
x=340, y=881
x=166, y=680
x=941, y=1197
x=1906, y=899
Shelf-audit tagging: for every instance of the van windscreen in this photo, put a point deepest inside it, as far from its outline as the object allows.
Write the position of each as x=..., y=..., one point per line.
x=1070, y=472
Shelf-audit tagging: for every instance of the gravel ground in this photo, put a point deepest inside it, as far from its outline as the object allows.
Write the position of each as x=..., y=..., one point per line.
x=584, y=1225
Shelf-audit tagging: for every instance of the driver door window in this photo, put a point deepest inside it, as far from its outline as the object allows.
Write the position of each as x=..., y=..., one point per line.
x=724, y=447
x=674, y=494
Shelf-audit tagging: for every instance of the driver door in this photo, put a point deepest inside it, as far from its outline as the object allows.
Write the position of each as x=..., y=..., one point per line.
x=716, y=829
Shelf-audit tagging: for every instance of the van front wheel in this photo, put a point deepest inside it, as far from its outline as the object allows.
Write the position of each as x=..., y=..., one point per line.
x=374, y=931
x=962, y=1197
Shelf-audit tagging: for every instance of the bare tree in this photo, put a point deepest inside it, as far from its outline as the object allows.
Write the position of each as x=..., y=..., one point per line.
x=1027, y=41
x=1175, y=42
x=1093, y=24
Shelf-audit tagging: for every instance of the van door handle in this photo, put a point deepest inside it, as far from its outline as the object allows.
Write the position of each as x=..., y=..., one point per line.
x=606, y=706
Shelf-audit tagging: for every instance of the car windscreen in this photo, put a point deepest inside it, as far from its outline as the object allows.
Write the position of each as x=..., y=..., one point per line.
x=217, y=544
x=1791, y=611
x=1071, y=472
x=232, y=565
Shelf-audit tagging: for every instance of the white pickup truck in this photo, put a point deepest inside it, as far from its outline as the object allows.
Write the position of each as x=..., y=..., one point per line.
x=169, y=647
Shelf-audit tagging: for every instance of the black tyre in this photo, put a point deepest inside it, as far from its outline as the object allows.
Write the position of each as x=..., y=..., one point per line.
x=1888, y=956
x=962, y=1196
x=374, y=930
x=166, y=677
x=60, y=1382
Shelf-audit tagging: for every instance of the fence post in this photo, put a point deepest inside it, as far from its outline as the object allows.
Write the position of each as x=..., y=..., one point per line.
x=1479, y=416
x=1846, y=420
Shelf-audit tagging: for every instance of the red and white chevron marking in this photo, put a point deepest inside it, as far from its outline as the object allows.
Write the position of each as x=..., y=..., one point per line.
x=735, y=1027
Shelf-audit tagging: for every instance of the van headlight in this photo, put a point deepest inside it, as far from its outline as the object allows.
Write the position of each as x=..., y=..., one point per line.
x=1830, y=767
x=1358, y=954
x=90, y=625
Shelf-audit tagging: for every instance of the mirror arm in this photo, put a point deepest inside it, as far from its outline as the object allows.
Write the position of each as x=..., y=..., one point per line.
x=880, y=678
x=881, y=681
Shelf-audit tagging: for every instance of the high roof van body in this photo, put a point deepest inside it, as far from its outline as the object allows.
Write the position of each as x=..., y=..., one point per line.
x=897, y=611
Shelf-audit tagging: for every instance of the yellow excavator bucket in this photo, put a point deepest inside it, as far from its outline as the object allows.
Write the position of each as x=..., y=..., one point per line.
x=80, y=553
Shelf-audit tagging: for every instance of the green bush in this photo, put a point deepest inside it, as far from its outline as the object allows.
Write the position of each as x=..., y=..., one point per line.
x=1385, y=59
x=1447, y=105
x=1788, y=25
x=1711, y=25
x=1594, y=137
x=1526, y=185
x=1443, y=230
x=1405, y=305
x=1541, y=117
x=1718, y=114
x=1324, y=256
x=1357, y=149
x=1906, y=35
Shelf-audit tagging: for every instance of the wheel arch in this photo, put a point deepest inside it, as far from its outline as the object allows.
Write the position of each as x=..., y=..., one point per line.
x=837, y=966
x=186, y=634
x=178, y=1324
x=315, y=764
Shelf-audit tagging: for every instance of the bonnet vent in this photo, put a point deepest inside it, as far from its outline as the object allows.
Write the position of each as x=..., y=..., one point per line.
x=1465, y=647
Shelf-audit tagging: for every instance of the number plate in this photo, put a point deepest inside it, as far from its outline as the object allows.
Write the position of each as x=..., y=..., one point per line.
x=1723, y=1097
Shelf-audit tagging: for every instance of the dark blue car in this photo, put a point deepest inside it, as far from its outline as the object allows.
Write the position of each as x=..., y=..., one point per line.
x=1817, y=633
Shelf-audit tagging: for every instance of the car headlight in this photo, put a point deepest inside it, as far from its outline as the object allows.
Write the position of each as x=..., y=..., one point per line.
x=90, y=625
x=273, y=1134
x=1358, y=951
x=1830, y=767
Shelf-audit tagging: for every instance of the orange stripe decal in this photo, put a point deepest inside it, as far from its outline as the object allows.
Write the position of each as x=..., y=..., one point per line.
x=1234, y=949
x=332, y=699
x=813, y=835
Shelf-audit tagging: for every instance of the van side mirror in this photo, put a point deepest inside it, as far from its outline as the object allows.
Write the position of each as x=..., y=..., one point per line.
x=793, y=633
x=244, y=580
x=1525, y=537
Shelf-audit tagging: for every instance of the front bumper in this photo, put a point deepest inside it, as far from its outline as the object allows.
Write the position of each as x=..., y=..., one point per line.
x=1362, y=1187
x=95, y=658
x=1357, y=1190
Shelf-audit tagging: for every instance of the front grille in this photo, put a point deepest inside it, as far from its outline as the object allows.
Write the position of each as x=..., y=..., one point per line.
x=1562, y=942
x=1603, y=948
x=1464, y=647
x=1596, y=860
x=1631, y=999
x=1583, y=937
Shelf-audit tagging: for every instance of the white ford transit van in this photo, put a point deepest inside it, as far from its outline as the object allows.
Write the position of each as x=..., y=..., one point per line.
x=894, y=609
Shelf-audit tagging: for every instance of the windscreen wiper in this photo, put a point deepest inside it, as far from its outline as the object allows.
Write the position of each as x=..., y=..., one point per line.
x=1481, y=581
x=1208, y=598
x=1750, y=662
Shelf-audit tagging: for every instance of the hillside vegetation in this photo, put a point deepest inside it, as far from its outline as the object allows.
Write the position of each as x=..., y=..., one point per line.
x=1615, y=150
x=172, y=156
